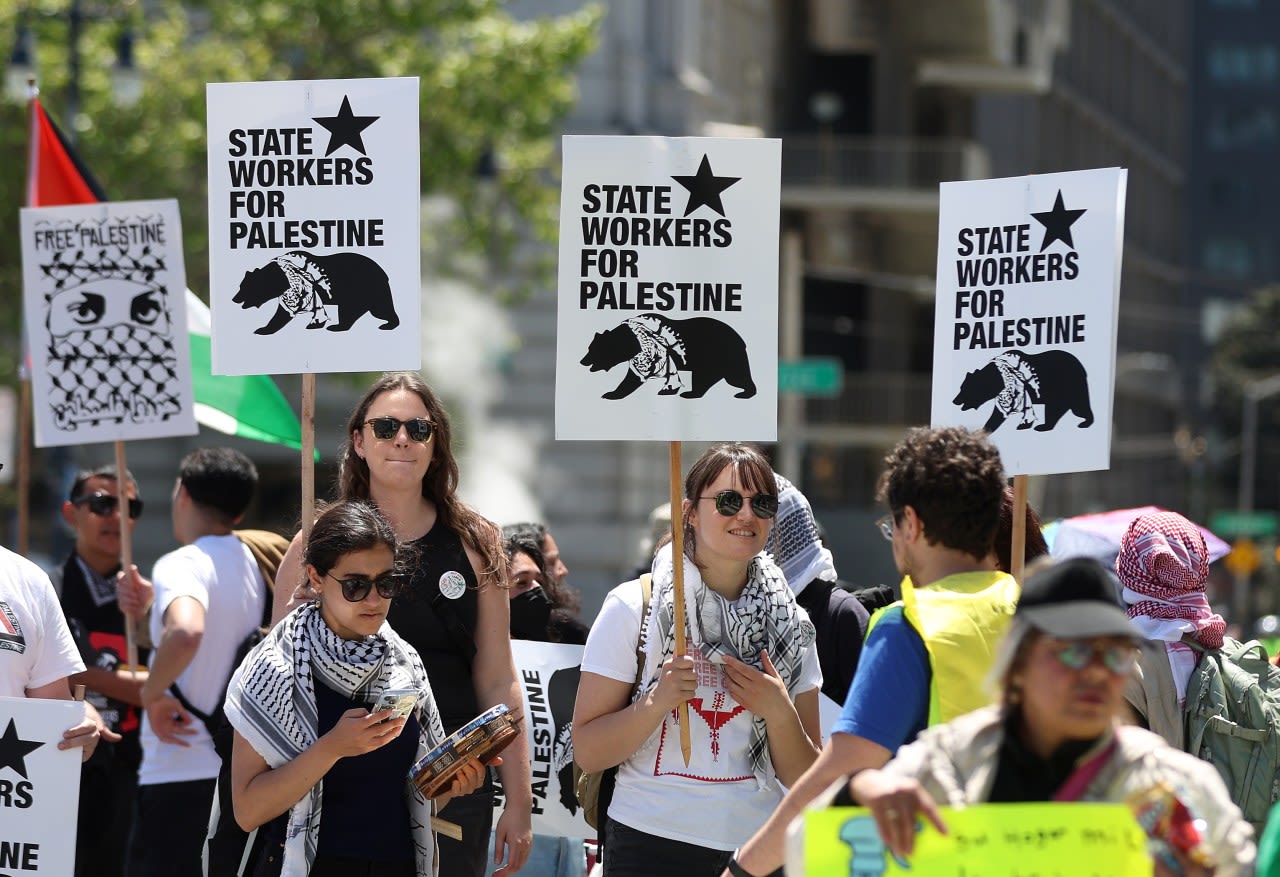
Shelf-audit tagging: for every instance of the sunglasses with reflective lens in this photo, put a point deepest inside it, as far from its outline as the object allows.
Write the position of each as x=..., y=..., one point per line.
x=1119, y=658
x=729, y=503
x=104, y=504
x=385, y=428
x=355, y=590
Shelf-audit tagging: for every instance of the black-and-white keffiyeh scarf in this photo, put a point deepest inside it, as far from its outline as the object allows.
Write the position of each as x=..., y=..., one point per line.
x=764, y=617
x=271, y=701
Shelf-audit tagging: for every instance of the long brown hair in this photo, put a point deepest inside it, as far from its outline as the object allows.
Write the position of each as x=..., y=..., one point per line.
x=440, y=484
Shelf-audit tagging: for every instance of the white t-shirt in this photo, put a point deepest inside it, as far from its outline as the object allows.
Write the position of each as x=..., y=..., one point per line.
x=35, y=644
x=714, y=802
x=221, y=574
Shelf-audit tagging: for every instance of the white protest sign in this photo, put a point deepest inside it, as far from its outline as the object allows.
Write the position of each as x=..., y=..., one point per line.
x=548, y=674
x=106, y=316
x=314, y=210
x=668, y=289
x=1027, y=303
x=39, y=786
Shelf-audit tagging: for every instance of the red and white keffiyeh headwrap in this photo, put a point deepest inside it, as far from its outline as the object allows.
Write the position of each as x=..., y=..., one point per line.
x=1163, y=565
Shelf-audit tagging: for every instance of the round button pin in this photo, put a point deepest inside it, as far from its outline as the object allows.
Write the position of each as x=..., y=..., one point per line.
x=453, y=585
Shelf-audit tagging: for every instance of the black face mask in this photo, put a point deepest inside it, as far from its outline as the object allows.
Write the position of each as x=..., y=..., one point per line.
x=530, y=613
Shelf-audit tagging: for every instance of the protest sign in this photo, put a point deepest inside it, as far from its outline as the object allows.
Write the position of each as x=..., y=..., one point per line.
x=991, y=840
x=39, y=786
x=668, y=289
x=106, y=317
x=314, y=208
x=1026, y=311
x=548, y=674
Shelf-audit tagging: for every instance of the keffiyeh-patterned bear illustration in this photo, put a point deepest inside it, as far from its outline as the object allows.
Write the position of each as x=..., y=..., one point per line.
x=111, y=356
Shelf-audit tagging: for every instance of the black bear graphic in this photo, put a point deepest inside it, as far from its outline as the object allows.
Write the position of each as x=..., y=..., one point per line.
x=1019, y=381
x=306, y=283
x=562, y=691
x=659, y=348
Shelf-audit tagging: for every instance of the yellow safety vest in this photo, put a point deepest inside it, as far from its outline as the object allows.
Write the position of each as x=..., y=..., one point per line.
x=961, y=619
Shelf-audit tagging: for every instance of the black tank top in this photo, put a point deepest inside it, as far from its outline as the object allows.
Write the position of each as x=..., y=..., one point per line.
x=442, y=628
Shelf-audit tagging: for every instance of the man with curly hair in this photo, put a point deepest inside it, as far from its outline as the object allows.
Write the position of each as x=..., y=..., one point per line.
x=926, y=656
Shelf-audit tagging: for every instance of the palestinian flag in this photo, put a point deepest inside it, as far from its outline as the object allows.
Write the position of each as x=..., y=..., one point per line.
x=249, y=406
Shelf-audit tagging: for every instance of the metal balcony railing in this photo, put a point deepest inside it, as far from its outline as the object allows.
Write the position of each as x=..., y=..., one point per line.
x=901, y=163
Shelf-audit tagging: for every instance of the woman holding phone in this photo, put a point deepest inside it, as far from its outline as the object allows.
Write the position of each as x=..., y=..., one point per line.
x=306, y=741
x=453, y=608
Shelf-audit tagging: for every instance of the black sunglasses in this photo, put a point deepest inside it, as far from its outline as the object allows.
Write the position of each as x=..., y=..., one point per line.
x=355, y=590
x=385, y=428
x=103, y=504
x=729, y=503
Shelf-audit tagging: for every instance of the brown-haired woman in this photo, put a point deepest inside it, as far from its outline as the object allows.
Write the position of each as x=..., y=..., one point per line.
x=454, y=608
x=750, y=678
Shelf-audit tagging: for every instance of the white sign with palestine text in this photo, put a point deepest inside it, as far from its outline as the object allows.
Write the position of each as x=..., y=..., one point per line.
x=314, y=208
x=1027, y=304
x=39, y=787
x=106, y=316
x=668, y=289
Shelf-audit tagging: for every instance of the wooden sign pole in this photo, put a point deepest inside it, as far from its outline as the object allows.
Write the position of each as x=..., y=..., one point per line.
x=308, y=422
x=677, y=555
x=1018, y=548
x=126, y=552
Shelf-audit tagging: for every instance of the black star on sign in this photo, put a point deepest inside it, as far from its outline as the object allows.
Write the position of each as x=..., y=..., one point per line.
x=345, y=128
x=1057, y=223
x=13, y=750
x=705, y=188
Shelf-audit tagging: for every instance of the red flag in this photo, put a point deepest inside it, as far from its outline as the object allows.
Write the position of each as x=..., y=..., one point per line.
x=54, y=173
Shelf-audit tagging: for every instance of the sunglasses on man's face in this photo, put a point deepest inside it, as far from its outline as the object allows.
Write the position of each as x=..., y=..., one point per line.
x=355, y=590
x=385, y=428
x=729, y=503
x=104, y=504
x=1119, y=658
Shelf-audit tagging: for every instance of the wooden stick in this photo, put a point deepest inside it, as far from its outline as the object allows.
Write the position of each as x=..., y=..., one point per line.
x=23, y=480
x=77, y=691
x=677, y=555
x=1018, y=548
x=126, y=553
x=447, y=828
x=308, y=452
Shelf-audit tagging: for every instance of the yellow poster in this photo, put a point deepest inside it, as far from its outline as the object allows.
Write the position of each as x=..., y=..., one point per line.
x=991, y=840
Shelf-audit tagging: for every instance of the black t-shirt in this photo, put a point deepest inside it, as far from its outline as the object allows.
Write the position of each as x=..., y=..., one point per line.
x=440, y=625
x=363, y=812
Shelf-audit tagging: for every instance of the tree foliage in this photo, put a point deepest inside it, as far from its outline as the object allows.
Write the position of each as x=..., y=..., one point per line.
x=492, y=92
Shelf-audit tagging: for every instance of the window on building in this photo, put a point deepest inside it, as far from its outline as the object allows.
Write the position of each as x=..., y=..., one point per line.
x=1244, y=63
x=1225, y=255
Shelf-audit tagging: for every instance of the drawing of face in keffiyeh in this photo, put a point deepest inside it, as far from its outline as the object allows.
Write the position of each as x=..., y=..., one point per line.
x=111, y=357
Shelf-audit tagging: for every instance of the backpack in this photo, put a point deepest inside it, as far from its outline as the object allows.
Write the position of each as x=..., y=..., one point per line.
x=1231, y=719
x=594, y=788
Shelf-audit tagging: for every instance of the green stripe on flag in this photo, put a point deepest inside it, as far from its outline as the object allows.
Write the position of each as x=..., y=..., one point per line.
x=250, y=406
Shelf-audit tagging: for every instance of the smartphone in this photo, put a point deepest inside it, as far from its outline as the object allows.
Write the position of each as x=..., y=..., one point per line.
x=400, y=700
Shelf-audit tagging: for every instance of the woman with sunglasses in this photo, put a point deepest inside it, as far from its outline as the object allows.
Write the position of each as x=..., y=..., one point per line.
x=1056, y=734
x=307, y=738
x=454, y=606
x=750, y=678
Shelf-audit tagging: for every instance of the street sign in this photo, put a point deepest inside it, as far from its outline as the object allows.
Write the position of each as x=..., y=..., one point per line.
x=1244, y=558
x=813, y=376
x=1254, y=524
